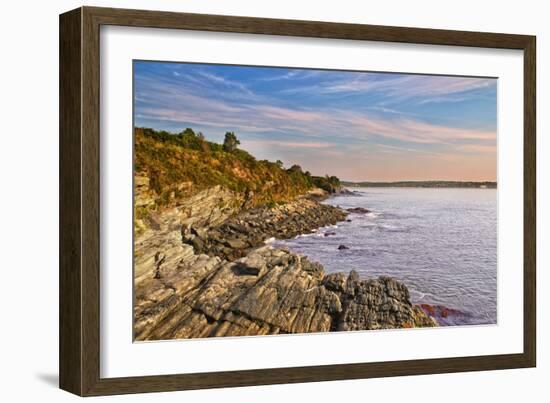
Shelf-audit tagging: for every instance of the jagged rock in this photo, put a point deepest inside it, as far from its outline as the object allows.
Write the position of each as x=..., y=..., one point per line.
x=378, y=304
x=358, y=210
x=270, y=291
x=143, y=197
x=202, y=279
x=205, y=209
x=249, y=229
x=317, y=194
x=198, y=244
x=236, y=243
x=347, y=192
x=198, y=232
x=335, y=282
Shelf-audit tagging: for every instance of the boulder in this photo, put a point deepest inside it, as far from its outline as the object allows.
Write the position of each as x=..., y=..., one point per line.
x=335, y=282
x=358, y=210
x=198, y=244
x=236, y=243
x=382, y=303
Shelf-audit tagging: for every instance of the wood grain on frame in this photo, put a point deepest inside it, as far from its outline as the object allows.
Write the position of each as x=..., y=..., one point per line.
x=70, y=319
x=79, y=200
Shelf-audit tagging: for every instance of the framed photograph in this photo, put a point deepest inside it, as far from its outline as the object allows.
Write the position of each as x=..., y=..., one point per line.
x=249, y=201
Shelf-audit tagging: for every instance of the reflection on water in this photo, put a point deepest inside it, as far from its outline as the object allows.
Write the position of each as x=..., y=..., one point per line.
x=441, y=242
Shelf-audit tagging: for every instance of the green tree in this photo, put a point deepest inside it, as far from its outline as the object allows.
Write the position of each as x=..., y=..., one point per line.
x=230, y=142
x=295, y=168
x=279, y=163
x=189, y=139
x=203, y=143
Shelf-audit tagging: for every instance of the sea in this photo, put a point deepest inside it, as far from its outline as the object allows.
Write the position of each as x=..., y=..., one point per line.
x=441, y=242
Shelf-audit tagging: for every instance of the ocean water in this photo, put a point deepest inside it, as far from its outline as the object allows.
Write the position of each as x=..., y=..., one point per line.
x=442, y=243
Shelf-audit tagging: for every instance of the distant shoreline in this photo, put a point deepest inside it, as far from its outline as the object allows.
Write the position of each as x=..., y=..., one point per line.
x=424, y=184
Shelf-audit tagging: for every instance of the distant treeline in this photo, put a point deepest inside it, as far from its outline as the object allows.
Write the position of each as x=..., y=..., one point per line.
x=423, y=184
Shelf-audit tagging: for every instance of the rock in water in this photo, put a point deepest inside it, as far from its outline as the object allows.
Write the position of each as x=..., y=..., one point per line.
x=381, y=303
x=358, y=210
x=342, y=247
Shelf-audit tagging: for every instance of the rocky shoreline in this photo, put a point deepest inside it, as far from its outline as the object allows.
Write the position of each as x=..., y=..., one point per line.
x=202, y=270
x=238, y=235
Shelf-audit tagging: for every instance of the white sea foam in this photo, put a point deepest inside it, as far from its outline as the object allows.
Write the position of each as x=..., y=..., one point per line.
x=416, y=295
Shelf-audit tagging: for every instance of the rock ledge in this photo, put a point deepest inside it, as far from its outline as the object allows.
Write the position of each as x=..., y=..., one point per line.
x=270, y=291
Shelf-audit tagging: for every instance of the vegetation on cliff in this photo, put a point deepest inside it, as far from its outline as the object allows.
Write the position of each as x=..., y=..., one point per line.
x=180, y=165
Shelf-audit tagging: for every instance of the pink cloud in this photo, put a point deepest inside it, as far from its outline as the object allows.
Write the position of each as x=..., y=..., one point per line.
x=287, y=144
x=286, y=114
x=418, y=132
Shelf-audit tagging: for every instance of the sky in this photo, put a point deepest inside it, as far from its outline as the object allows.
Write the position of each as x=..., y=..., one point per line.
x=359, y=126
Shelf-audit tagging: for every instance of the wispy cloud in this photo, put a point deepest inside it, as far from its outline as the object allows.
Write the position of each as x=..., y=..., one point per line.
x=227, y=82
x=389, y=110
x=289, y=144
x=285, y=76
x=321, y=119
x=414, y=131
x=362, y=126
x=286, y=114
x=398, y=88
x=292, y=74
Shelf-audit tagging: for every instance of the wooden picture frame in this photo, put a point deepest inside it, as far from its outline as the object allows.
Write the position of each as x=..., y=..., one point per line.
x=79, y=348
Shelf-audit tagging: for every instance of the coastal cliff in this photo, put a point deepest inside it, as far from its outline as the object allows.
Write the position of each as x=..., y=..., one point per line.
x=201, y=266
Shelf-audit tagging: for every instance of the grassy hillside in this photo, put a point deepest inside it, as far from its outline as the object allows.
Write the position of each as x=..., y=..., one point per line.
x=179, y=165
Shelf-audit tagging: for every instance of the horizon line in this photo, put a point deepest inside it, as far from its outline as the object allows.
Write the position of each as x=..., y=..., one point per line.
x=417, y=181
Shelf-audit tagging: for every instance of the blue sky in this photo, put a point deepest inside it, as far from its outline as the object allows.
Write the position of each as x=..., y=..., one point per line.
x=355, y=125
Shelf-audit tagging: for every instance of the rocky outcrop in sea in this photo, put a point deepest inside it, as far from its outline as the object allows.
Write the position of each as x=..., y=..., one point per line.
x=270, y=291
